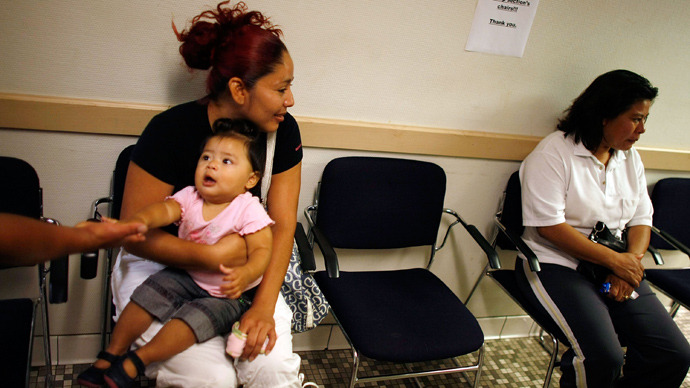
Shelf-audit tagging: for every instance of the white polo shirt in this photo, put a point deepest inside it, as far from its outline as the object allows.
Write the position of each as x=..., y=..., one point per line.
x=564, y=182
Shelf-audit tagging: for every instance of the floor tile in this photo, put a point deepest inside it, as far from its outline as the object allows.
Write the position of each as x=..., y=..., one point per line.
x=513, y=362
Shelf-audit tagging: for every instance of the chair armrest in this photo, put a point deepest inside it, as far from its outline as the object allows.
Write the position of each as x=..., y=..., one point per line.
x=57, y=285
x=306, y=253
x=671, y=240
x=329, y=256
x=99, y=202
x=59, y=269
x=490, y=252
x=656, y=255
x=521, y=246
x=88, y=264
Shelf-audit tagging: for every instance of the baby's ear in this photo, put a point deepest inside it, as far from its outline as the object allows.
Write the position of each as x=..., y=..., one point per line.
x=253, y=180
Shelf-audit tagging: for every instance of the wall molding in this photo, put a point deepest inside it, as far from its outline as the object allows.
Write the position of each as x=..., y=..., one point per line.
x=45, y=113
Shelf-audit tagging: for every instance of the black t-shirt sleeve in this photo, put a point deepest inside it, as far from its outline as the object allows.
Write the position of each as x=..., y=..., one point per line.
x=288, y=151
x=170, y=145
x=154, y=150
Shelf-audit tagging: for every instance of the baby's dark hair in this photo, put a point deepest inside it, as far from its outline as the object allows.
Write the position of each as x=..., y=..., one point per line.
x=254, y=142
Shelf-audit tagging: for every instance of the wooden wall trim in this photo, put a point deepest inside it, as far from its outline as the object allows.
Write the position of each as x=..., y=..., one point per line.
x=46, y=113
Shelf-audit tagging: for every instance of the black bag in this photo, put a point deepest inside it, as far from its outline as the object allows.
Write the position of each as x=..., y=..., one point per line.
x=601, y=235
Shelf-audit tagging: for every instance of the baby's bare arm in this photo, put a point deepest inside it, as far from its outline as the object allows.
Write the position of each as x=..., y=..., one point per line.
x=259, y=247
x=157, y=214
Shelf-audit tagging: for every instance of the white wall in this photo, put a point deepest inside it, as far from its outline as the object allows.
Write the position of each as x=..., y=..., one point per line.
x=386, y=61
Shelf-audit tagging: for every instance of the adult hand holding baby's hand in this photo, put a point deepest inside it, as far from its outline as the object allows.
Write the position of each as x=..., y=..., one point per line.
x=110, y=233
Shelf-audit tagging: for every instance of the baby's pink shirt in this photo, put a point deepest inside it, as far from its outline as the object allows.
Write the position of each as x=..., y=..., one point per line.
x=244, y=215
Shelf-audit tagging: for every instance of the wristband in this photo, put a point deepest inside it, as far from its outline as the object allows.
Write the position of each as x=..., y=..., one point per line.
x=605, y=288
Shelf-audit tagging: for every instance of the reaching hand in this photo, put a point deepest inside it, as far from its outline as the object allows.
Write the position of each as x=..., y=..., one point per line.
x=28, y=241
x=109, y=233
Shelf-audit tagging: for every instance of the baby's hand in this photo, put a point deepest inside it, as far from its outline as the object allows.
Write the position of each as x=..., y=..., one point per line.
x=133, y=238
x=236, y=280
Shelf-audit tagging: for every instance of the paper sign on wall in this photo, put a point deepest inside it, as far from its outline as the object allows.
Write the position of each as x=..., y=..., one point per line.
x=502, y=26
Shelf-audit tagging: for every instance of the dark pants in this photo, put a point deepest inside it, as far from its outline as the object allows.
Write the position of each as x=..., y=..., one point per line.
x=658, y=355
x=172, y=293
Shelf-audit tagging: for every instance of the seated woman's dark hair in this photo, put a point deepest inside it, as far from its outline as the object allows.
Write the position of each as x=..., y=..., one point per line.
x=608, y=96
x=254, y=142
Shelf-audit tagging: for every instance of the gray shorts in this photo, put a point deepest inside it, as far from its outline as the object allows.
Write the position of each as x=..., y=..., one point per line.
x=172, y=293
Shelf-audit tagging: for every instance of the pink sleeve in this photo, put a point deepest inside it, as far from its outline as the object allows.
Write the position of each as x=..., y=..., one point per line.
x=184, y=197
x=254, y=217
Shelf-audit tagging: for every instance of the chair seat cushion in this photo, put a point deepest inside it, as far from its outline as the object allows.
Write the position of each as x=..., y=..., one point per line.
x=16, y=320
x=401, y=316
x=674, y=282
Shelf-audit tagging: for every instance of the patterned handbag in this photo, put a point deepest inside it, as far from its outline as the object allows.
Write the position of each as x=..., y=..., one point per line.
x=303, y=295
x=299, y=289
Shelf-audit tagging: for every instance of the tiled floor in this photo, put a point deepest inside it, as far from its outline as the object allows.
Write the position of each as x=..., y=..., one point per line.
x=518, y=362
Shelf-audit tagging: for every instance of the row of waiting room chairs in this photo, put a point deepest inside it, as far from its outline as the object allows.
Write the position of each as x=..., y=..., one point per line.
x=408, y=315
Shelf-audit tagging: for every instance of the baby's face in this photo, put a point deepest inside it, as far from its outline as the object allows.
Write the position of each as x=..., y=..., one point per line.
x=224, y=170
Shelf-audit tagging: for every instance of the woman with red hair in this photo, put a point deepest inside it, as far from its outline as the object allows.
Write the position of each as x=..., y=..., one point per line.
x=250, y=76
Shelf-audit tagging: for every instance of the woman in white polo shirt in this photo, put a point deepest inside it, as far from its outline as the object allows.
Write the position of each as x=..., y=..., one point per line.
x=588, y=171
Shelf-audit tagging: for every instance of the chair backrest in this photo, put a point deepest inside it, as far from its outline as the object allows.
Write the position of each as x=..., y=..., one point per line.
x=402, y=206
x=21, y=194
x=22, y=191
x=670, y=198
x=510, y=214
x=116, y=194
x=119, y=175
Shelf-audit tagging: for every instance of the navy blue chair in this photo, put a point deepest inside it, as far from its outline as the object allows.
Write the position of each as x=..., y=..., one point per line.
x=89, y=260
x=508, y=221
x=23, y=196
x=671, y=231
x=394, y=315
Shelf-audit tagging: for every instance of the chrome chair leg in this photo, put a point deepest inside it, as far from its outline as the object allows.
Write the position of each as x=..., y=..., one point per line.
x=43, y=301
x=674, y=309
x=480, y=364
x=552, y=363
x=355, y=367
